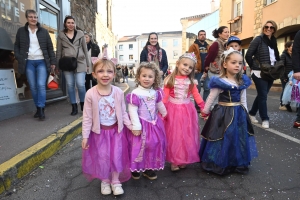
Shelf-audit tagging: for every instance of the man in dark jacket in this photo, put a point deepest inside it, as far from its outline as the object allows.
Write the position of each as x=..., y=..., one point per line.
x=200, y=48
x=93, y=51
x=296, y=68
x=34, y=51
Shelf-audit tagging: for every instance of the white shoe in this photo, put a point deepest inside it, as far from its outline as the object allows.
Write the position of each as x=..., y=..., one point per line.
x=117, y=189
x=253, y=119
x=105, y=188
x=265, y=124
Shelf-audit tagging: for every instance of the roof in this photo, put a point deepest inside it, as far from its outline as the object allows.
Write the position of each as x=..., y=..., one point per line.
x=196, y=16
x=168, y=33
x=128, y=38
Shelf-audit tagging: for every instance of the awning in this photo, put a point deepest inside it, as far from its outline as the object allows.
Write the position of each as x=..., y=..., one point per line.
x=5, y=41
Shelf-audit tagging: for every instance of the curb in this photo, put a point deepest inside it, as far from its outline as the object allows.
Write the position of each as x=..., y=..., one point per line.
x=26, y=161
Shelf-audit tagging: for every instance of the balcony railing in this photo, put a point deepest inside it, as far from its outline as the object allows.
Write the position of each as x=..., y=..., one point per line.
x=236, y=25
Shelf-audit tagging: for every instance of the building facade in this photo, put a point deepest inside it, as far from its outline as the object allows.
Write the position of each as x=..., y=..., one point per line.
x=15, y=96
x=171, y=42
x=127, y=50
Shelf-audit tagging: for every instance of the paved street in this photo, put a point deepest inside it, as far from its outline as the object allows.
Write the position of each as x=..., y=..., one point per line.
x=275, y=174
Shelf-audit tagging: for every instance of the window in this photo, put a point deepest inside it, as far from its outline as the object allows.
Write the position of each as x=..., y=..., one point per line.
x=175, y=54
x=238, y=8
x=267, y=2
x=121, y=47
x=130, y=57
x=121, y=57
x=130, y=46
x=164, y=43
x=175, y=43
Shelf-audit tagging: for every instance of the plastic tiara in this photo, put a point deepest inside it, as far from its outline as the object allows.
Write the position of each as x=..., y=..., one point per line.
x=104, y=56
x=229, y=51
x=190, y=56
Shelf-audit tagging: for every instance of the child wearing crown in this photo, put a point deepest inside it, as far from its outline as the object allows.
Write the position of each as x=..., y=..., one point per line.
x=181, y=123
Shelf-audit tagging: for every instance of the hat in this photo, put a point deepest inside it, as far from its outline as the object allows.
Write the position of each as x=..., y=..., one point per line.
x=233, y=39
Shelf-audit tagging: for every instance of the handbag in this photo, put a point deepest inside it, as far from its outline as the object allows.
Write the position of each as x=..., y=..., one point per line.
x=270, y=72
x=53, y=80
x=68, y=63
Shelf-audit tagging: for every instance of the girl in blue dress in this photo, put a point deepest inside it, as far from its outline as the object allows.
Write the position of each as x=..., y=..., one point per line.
x=228, y=144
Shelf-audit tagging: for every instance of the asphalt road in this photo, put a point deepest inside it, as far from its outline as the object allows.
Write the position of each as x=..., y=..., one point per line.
x=275, y=174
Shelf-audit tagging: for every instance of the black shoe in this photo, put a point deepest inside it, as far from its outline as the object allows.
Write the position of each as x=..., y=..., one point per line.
x=242, y=170
x=150, y=174
x=41, y=113
x=74, y=109
x=81, y=105
x=135, y=175
x=288, y=108
x=36, y=115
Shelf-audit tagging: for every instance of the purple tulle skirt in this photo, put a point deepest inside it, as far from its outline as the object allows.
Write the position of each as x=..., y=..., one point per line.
x=182, y=131
x=107, y=155
x=148, y=150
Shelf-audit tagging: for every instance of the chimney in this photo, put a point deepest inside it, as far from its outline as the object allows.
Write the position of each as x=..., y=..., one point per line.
x=212, y=6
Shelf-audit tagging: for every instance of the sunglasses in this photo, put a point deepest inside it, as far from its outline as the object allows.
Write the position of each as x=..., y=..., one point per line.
x=269, y=27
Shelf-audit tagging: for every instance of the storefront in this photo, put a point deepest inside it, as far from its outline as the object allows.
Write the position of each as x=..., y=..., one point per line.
x=15, y=96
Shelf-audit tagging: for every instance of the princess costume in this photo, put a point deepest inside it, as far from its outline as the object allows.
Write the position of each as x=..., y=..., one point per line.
x=148, y=150
x=103, y=122
x=228, y=143
x=182, y=128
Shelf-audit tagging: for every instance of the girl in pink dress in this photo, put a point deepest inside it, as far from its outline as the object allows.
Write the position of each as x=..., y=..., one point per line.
x=105, y=147
x=147, y=147
x=181, y=124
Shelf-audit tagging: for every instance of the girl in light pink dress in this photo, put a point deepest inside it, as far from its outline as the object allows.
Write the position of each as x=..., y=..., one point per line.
x=181, y=124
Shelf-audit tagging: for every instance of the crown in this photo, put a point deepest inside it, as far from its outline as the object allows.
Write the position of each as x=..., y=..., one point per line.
x=229, y=51
x=190, y=56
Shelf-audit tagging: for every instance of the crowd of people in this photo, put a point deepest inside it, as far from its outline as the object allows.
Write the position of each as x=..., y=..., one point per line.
x=161, y=124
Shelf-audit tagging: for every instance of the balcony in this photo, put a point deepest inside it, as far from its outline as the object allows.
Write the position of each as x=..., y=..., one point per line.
x=236, y=25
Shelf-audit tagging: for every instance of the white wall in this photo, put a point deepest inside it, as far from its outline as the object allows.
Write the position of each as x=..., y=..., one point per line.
x=125, y=52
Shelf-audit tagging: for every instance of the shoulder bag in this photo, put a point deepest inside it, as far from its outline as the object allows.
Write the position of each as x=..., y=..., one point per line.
x=68, y=63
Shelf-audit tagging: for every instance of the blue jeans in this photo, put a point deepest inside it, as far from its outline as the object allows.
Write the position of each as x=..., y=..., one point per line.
x=206, y=89
x=79, y=77
x=260, y=102
x=36, y=72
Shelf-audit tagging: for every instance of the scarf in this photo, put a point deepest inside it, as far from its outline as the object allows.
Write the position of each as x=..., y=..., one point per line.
x=89, y=45
x=152, y=54
x=272, y=43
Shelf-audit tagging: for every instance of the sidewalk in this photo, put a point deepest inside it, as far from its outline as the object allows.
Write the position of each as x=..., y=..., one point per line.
x=27, y=142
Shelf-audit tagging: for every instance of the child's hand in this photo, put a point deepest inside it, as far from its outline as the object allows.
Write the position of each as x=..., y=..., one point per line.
x=84, y=144
x=204, y=115
x=136, y=132
x=291, y=83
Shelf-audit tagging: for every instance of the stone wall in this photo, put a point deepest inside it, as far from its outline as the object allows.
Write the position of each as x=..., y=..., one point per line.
x=258, y=15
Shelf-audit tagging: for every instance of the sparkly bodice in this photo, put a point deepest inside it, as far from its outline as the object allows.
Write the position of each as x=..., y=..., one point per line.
x=181, y=88
x=147, y=108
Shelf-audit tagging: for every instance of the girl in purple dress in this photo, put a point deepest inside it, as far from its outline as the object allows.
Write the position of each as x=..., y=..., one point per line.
x=147, y=143
x=105, y=147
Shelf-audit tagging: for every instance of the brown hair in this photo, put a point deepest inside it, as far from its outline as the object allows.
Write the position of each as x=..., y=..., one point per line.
x=104, y=63
x=225, y=59
x=288, y=44
x=218, y=31
x=149, y=65
x=27, y=12
x=170, y=80
x=273, y=24
x=65, y=21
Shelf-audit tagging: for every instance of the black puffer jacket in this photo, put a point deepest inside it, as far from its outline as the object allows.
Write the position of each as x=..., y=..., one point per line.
x=287, y=61
x=22, y=46
x=258, y=51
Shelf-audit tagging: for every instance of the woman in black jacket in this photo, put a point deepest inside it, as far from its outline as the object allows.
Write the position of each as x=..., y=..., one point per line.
x=286, y=57
x=153, y=52
x=263, y=49
x=34, y=51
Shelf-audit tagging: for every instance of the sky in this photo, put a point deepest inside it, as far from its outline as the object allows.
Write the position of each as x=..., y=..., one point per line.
x=134, y=17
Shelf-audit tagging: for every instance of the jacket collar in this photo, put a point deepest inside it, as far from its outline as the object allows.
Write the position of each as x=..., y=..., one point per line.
x=64, y=37
x=38, y=26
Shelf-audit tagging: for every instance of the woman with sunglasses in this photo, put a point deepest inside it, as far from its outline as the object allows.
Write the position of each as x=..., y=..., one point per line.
x=71, y=42
x=263, y=49
x=153, y=52
x=34, y=52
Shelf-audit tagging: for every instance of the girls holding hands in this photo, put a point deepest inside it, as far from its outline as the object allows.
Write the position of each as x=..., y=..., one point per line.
x=182, y=129
x=228, y=144
x=147, y=139
x=104, y=144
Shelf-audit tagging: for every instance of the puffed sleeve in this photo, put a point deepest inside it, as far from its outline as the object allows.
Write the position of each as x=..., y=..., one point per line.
x=160, y=95
x=133, y=103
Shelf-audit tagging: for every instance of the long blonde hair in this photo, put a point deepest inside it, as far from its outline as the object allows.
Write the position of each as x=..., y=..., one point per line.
x=225, y=59
x=170, y=79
